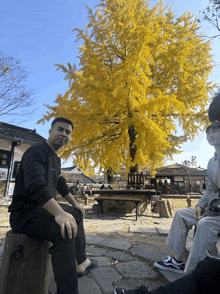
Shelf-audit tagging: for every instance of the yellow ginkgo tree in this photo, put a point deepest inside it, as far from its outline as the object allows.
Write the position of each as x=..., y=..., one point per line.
x=142, y=74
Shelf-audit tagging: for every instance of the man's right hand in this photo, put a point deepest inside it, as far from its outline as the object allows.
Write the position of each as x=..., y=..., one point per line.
x=197, y=213
x=66, y=220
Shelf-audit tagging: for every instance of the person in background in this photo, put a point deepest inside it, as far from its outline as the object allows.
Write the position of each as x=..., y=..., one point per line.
x=205, y=215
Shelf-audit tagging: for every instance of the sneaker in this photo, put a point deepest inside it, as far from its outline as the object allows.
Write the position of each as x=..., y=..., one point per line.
x=141, y=290
x=170, y=264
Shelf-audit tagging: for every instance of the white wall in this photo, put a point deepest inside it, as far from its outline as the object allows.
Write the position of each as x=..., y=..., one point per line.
x=18, y=152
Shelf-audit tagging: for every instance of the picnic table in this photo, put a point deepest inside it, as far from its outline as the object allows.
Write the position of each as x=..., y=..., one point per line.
x=122, y=195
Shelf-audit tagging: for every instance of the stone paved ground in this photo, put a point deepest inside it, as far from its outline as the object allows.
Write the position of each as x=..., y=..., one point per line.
x=124, y=248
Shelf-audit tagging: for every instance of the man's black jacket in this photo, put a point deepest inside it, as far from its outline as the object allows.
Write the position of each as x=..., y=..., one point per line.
x=37, y=180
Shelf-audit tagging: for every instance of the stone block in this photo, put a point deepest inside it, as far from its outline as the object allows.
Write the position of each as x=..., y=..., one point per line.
x=120, y=256
x=103, y=261
x=88, y=286
x=135, y=270
x=105, y=277
x=136, y=283
x=90, y=239
x=149, y=252
x=171, y=276
x=116, y=244
x=93, y=251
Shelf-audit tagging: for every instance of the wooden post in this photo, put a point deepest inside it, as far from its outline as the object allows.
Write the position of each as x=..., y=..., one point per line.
x=165, y=209
x=25, y=265
x=169, y=206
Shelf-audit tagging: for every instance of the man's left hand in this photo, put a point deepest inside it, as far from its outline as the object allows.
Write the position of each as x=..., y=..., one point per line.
x=200, y=217
x=79, y=207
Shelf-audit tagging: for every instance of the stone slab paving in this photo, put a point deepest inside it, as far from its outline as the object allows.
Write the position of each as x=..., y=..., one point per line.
x=94, y=251
x=148, y=252
x=116, y=244
x=120, y=256
x=88, y=286
x=105, y=276
x=135, y=270
x=171, y=276
x=91, y=239
x=103, y=260
x=135, y=283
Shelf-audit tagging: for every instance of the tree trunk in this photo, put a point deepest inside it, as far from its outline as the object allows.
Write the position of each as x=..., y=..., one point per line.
x=133, y=149
x=110, y=176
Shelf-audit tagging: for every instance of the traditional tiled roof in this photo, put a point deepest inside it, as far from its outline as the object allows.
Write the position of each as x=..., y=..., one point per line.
x=69, y=168
x=179, y=170
x=72, y=177
x=11, y=132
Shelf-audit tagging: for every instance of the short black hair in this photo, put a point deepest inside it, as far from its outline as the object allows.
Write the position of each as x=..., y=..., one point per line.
x=61, y=119
x=214, y=109
x=213, y=126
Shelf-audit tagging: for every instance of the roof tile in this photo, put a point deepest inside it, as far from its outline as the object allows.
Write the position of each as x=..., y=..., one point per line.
x=12, y=132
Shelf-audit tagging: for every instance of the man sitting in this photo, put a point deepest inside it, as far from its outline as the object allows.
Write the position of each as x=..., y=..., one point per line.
x=34, y=210
x=206, y=217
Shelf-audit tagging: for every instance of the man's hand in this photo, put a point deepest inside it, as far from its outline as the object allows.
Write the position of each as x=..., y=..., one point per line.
x=218, y=245
x=66, y=220
x=197, y=213
x=79, y=207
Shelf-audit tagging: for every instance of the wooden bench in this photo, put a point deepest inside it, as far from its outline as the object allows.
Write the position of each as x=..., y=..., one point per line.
x=100, y=200
x=26, y=265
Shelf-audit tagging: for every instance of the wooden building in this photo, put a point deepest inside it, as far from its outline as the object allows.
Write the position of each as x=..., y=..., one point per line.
x=179, y=175
x=14, y=141
x=185, y=178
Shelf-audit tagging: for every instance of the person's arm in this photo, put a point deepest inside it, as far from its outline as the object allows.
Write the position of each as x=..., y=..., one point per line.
x=64, y=219
x=218, y=247
x=210, y=187
x=34, y=165
x=69, y=197
x=63, y=189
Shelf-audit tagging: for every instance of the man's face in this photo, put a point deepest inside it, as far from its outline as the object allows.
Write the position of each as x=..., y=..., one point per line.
x=60, y=134
x=213, y=136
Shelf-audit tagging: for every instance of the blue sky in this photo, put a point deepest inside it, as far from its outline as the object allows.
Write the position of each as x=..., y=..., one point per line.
x=39, y=34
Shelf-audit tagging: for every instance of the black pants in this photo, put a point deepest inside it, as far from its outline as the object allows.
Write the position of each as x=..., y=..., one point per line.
x=64, y=251
x=205, y=279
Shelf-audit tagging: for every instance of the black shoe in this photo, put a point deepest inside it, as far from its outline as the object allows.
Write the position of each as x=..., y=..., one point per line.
x=140, y=290
x=170, y=264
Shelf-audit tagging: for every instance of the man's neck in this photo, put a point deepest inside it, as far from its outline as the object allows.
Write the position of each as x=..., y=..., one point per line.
x=217, y=149
x=54, y=149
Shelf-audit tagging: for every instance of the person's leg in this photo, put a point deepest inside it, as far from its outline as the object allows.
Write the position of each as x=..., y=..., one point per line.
x=204, y=279
x=182, y=222
x=84, y=265
x=80, y=240
x=205, y=239
x=176, y=240
x=44, y=227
